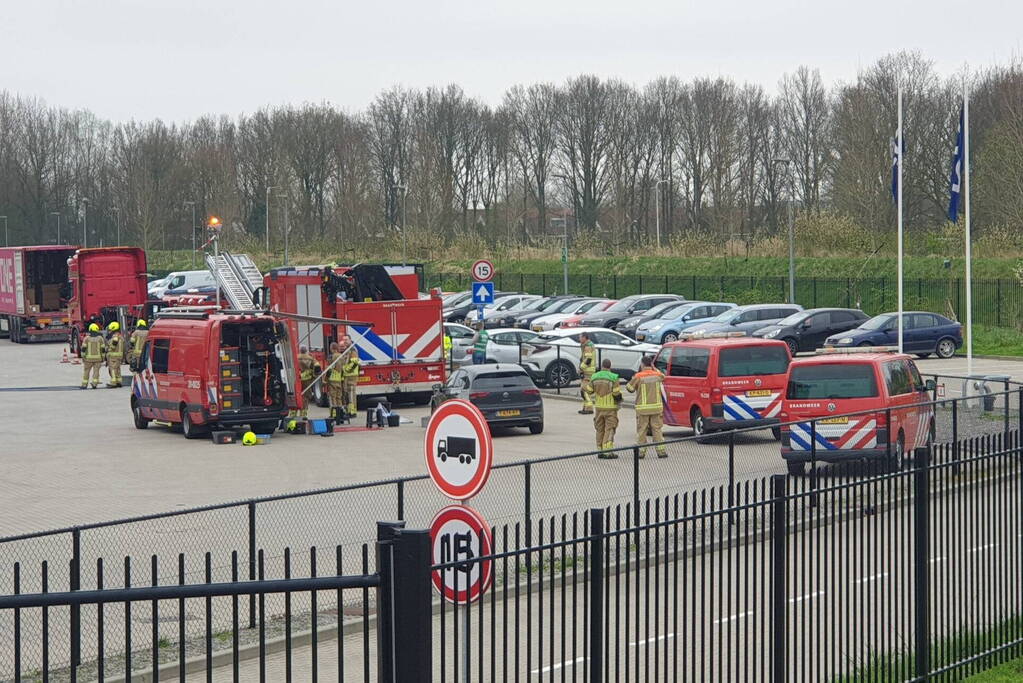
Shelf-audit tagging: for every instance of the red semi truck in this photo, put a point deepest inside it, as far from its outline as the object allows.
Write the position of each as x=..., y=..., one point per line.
x=105, y=284
x=401, y=352
x=32, y=281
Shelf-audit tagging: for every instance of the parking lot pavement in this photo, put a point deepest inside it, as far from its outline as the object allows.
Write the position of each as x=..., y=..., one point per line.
x=73, y=457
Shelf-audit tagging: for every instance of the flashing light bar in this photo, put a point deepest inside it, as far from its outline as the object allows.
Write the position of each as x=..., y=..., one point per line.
x=858, y=349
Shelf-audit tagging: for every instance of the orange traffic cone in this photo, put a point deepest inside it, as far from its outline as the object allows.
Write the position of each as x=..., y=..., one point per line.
x=64, y=358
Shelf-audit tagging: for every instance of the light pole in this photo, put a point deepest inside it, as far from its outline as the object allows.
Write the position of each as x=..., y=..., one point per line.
x=213, y=225
x=85, y=225
x=404, y=216
x=564, y=240
x=287, y=226
x=268, y=188
x=657, y=194
x=57, y=214
x=792, y=230
x=117, y=210
x=7, y=241
x=193, y=232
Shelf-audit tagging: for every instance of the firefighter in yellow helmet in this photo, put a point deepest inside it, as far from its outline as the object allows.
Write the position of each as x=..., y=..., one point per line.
x=649, y=406
x=351, y=370
x=136, y=342
x=606, y=395
x=308, y=370
x=587, y=366
x=115, y=353
x=335, y=380
x=94, y=349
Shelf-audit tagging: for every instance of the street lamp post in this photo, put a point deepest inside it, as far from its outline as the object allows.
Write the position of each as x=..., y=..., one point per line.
x=85, y=225
x=57, y=214
x=287, y=226
x=268, y=188
x=7, y=241
x=117, y=210
x=792, y=230
x=564, y=239
x=657, y=194
x=193, y=232
x=404, y=217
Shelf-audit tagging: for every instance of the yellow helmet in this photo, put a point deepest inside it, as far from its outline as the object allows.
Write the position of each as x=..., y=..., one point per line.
x=249, y=439
x=93, y=327
x=114, y=326
x=140, y=323
x=292, y=425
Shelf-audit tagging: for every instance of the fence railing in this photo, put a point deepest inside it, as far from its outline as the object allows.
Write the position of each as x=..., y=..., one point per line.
x=995, y=302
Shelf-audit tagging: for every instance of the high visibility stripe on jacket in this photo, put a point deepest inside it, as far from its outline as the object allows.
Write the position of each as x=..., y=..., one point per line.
x=604, y=388
x=447, y=346
x=480, y=344
x=307, y=367
x=93, y=348
x=648, y=385
x=138, y=340
x=115, y=346
x=351, y=366
x=588, y=358
x=335, y=368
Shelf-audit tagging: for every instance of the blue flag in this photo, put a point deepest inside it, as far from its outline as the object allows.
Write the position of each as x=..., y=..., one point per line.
x=955, y=180
x=895, y=167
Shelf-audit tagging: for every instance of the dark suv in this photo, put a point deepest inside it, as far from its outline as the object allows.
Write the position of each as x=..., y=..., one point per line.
x=807, y=330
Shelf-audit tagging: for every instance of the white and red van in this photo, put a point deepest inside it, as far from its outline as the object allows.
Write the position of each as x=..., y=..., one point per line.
x=714, y=383
x=203, y=369
x=855, y=404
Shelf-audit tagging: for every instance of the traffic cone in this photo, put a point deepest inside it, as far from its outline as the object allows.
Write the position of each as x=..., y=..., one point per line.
x=64, y=358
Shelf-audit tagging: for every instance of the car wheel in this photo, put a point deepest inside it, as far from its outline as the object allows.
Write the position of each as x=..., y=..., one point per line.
x=796, y=469
x=560, y=374
x=190, y=430
x=668, y=337
x=793, y=345
x=141, y=422
x=536, y=427
x=946, y=348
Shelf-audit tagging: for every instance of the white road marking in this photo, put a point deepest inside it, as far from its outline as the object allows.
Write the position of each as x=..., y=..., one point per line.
x=734, y=617
x=875, y=577
x=811, y=596
x=983, y=547
x=652, y=640
x=555, y=667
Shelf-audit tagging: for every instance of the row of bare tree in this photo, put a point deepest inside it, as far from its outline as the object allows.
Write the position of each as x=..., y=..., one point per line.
x=699, y=156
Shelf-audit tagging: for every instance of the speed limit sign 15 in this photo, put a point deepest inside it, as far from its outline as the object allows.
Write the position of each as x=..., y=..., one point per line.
x=483, y=271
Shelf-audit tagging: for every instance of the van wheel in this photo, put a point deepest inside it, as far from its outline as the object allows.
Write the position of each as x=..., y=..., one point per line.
x=699, y=426
x=899, y=461
x=946, y=348
x=141, y=422
x=190, y=430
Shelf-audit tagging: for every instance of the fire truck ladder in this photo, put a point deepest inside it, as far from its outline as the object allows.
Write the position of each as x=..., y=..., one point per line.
x=238, y=277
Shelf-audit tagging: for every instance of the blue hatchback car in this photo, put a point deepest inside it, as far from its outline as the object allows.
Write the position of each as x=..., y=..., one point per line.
x=923, y=333
x=667, y=329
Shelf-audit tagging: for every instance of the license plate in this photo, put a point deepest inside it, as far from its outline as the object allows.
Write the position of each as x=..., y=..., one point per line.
x=640, y=337
x=537, y=328
x=508, y=413
x=834, y=421
x=759, y=392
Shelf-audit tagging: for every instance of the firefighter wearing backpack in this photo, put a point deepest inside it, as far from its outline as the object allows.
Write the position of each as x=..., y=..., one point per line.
x=137, y=341
x=587, y=365
x=350, y=370
x=649, y=407
x=308, y=370
x=606, y=396
x=115, y=354
x=335, y=381
x=93, y=350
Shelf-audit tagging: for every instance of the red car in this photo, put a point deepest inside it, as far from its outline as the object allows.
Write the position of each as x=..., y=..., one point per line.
x=828, y=387
x=727, y=381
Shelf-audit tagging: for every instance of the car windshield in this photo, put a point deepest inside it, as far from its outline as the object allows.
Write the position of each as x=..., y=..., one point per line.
x=512, y=379
x=832, y=380
x=587, y=306
x=728, y=316
x=746, y=361
x=623, y=305
x=879, y=322
x=563, y=306
x=792, y=319
x=549, y=304
x=676, y=311
x=527, y=305
x=660, y=309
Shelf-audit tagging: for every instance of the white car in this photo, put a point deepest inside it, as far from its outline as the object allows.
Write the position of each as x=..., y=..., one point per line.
x=554, y=320
x=510, y=302
x=461, y=342
x=502, y=345
x=182, y=279
x=553, y=357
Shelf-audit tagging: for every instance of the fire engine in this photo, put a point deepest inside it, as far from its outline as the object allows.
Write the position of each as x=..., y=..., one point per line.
x=204, y=369
x=717, y=382
x=866, y=403
x=400, y=342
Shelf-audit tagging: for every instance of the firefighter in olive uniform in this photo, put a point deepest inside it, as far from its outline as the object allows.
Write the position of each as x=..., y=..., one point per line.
x=115, y=353
x=587, y=366
x=649, y=407
x=308, y=370
x=335, y=381
x=94, y=348
x=351, y=367
x=137, y=341
x=606, y=395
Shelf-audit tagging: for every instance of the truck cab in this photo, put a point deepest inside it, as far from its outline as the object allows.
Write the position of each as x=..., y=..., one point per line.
x=723, y=381
x=859, y=404
x=105, y=284
x=203, y=370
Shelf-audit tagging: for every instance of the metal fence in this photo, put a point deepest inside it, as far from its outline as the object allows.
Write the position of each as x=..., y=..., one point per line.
x=995, y=302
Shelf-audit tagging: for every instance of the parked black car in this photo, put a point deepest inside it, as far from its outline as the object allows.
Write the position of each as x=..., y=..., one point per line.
x=504, y=393
x=523, y=320
x=637, y=304
x=807, y=330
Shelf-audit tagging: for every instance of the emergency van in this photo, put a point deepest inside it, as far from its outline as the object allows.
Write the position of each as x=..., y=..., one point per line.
x=203, y=369
x=867, y=403
x=719, y=382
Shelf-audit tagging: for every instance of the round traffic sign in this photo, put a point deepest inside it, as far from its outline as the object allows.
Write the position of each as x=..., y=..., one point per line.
x=483, y=271
x=460, y=534
x=459, y=451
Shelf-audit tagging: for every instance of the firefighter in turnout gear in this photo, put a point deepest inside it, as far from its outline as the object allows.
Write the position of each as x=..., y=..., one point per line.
x=335, y=381
x=115, y=354
x=606, y=395
x=308, y=370
x=94, y=348
x=351, y=367
x=137, y=341
x=649, y=406
x=587, y=366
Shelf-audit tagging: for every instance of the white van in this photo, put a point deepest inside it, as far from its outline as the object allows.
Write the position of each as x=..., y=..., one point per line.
x=182, y=279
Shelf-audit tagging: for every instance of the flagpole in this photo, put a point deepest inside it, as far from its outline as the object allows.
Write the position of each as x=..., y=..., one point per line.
x=898, y=151
x=969, y=246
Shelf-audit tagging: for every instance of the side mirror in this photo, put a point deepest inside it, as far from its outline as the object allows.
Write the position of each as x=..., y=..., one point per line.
x=930, y=385
x=806, y=325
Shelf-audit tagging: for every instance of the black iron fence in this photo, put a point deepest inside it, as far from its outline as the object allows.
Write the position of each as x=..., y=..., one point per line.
x=995, y=302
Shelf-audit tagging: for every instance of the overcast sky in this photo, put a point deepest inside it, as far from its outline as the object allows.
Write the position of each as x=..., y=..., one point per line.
x=177, y=59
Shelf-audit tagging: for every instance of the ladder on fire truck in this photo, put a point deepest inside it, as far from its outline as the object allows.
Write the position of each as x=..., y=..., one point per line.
x=238, y=277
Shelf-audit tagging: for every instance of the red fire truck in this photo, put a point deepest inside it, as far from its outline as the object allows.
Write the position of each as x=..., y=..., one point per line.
x=401, y=352
x=107, y=284
x=31, y=284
